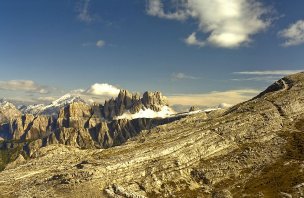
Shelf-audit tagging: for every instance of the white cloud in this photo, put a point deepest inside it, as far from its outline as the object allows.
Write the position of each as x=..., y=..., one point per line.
x=229, y=24
x=294, y=34
x=213, y=98
x=29, y=92
x=181, y=76
x=192, y=40
x=269, y=72
x=156, y=8
x=100, y=43
x=23, y=85
x=266, y=75
x=83, y=9
x=268, y=79
x=102, y=89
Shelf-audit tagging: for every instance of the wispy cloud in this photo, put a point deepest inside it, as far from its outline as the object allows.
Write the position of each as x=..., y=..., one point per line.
x=268, y=72
x=182, y=76
x=213, y=98
x=294, y=34
x=156, y=8
x=268, y=79
x=230, y=24
x=23, y=85
x=83, y=11
x=87, y=44
x=266, y=76
x=100, y=43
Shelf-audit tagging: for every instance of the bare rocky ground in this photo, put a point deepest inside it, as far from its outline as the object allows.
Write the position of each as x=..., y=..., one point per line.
x=254, y=149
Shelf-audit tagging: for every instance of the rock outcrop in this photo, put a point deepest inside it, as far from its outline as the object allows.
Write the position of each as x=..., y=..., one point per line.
x=254, y=149
x=133, y=103
x=8, y=111
x=79, y=125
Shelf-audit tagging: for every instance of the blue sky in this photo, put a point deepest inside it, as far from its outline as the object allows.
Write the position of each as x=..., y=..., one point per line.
x=189, y=50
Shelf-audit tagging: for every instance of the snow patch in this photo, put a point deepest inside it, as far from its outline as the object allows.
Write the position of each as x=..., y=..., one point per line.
x=52, y=108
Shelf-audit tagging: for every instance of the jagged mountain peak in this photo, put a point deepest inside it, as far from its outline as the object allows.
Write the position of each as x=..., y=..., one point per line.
x=5, y=104
x=254, y=148
x=7, y=111
x=132, y=105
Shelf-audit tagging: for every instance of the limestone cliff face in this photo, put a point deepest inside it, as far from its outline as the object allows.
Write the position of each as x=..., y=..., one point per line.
x=133, y=103
x=154, y=101
x=27, y=127
x=79, y=125
x=254, y=149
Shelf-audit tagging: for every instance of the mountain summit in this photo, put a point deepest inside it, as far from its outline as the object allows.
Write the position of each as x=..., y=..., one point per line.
x=71, y=121
x=251, y=149
x=7, y=111
x=127, y=105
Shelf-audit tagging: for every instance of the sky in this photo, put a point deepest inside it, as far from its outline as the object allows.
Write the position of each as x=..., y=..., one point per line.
x=196, y=52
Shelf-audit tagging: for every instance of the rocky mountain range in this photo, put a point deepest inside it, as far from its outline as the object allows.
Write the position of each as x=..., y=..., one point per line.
x=51, y=109
x=253, y=149
x=82, y=125
x=125, y=102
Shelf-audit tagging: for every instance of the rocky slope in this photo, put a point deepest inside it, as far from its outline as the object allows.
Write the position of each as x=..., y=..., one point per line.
x=254, y=149
x=123, y=105
x=83, y=126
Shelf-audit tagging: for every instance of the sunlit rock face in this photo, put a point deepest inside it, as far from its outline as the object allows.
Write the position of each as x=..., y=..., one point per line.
x=252, y=149
x=133, y=103
x=8, y=111
x=86, y=126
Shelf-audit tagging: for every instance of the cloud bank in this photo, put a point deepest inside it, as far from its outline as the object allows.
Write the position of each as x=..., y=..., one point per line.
x=23, y=85
x=213, y=98
x=228, y=24
x=294, y=34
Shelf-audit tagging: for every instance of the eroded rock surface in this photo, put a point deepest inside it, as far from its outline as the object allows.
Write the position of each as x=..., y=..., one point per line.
x=133, y=103
x=78, y=125
x=254, y=149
